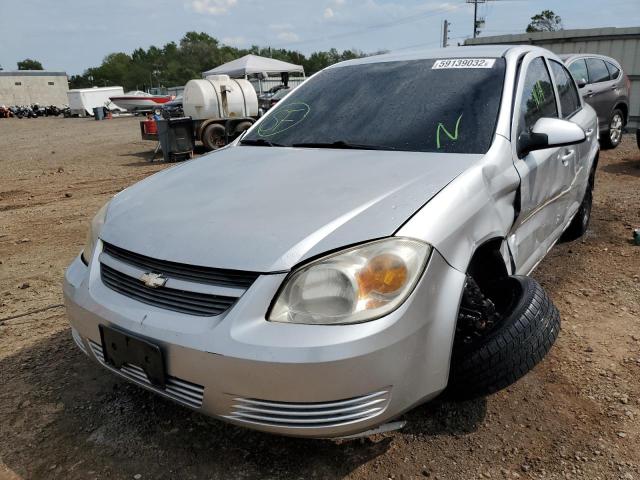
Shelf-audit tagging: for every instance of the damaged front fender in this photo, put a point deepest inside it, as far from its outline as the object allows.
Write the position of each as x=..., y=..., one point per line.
x=475, y=207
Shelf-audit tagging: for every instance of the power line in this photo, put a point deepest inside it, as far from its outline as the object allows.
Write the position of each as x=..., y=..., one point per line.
x=400, y=21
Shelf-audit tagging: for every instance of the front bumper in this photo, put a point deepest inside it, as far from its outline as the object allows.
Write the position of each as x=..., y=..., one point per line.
x=299, y=380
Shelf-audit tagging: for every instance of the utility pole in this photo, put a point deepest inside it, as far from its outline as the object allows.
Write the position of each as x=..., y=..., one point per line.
x=445, y=34
x=475, y=19
x=477, y=22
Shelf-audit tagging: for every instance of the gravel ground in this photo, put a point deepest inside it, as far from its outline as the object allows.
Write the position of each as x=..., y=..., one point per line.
x=577, y=415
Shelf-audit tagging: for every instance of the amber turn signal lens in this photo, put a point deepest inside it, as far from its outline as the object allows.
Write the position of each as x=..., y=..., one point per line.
x=385, y=273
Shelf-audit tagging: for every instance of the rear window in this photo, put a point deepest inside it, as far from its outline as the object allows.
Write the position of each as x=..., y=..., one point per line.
x=597, y=70
x=405, y=105
x=613, y=70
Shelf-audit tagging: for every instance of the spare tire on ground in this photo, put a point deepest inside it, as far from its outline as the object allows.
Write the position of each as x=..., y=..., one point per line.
x=524, y=328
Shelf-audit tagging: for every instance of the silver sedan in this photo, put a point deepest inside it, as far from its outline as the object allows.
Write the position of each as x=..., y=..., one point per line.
x=362, y=248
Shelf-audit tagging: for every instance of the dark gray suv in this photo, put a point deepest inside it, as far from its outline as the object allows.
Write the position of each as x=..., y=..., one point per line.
x=605, y=87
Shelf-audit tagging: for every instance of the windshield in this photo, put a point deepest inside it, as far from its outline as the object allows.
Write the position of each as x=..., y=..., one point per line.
x=416, y=105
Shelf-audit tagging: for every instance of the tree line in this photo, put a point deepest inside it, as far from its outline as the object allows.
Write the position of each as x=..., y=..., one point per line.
x=175, y=64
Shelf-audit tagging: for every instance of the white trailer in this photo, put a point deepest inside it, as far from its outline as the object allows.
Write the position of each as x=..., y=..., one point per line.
x=82, y=101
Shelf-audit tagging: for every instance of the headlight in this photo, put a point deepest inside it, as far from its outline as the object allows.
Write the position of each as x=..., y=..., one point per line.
x=94, y=231
x=352, y=286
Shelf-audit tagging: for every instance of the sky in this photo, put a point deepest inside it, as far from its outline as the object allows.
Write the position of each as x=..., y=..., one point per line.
x=72, y=35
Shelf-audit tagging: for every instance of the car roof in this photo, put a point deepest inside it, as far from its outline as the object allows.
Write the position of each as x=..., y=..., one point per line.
x=479, y=51
x=567, y=57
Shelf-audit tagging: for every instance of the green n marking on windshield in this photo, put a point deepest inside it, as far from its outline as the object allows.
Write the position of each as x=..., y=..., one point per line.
x=442, y=128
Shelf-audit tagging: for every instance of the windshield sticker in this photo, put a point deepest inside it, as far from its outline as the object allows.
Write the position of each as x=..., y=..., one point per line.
x=463, y=63
x=442, y=128
x=284, y=118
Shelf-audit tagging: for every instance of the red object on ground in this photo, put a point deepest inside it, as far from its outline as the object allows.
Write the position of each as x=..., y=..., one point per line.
x=150, y=127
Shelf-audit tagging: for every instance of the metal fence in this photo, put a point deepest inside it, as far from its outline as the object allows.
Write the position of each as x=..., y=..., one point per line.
x=623, y=44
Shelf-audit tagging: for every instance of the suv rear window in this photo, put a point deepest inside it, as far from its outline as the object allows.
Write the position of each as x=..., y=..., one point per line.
x=400, y=105
x=597, y=70
x=613, y=70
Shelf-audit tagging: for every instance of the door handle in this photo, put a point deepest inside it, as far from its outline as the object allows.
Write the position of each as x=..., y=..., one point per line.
x=566, y=156
x=589, y=93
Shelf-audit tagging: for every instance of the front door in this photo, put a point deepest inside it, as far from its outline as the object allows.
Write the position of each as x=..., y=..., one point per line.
x=545, y=174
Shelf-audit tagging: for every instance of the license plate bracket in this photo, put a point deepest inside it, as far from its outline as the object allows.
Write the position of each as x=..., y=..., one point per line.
x=120, y=348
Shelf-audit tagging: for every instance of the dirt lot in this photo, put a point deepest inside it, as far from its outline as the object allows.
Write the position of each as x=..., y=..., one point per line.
x=577, y=415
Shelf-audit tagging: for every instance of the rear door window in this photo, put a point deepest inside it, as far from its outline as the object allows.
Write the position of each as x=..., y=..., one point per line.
x=597, y=70
x=569, y=97
x=538, y=98
x=579, y=70
x=613, y=70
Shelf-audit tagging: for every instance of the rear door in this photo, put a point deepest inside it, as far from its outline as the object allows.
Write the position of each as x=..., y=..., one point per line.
x=618, y=85
x=599, y=93
x=545, y=174
x=577, y=156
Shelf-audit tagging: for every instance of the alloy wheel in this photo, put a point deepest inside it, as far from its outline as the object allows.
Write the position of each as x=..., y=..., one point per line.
x=615, y=129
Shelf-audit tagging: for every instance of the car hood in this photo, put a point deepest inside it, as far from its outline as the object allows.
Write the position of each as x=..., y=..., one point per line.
x=265, y=209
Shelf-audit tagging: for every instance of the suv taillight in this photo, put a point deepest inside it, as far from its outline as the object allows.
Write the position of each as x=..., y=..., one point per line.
x=627, y=82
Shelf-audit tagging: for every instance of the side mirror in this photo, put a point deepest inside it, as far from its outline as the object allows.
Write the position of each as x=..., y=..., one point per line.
x=549, y=133
x=581, y=83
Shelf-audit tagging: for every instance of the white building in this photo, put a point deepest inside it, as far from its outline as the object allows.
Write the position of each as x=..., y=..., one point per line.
x=25, y=87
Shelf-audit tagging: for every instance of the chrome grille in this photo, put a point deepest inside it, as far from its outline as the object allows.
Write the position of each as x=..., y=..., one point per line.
x=206, y=275
x=193, y=303
x=179, y=390
x=309, y=415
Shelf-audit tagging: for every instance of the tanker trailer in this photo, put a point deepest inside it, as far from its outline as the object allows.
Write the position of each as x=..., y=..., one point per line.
x=220, y=107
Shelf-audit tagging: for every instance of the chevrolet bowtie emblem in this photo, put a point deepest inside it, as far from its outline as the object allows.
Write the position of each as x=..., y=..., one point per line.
x=153, y=280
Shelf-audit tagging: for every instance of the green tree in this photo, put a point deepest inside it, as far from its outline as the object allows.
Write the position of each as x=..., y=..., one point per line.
x=29, y=64
x=175, y=64
x=545, y=21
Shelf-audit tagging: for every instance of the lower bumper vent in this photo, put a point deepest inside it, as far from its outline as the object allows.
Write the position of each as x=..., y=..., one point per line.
x=179, y=390
x=309, y=415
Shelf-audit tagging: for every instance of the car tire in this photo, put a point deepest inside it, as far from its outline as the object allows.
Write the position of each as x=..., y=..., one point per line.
x=580, y=222
x=638, y=137
x=613, y=135
x=213, y=136
x=512, y=348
